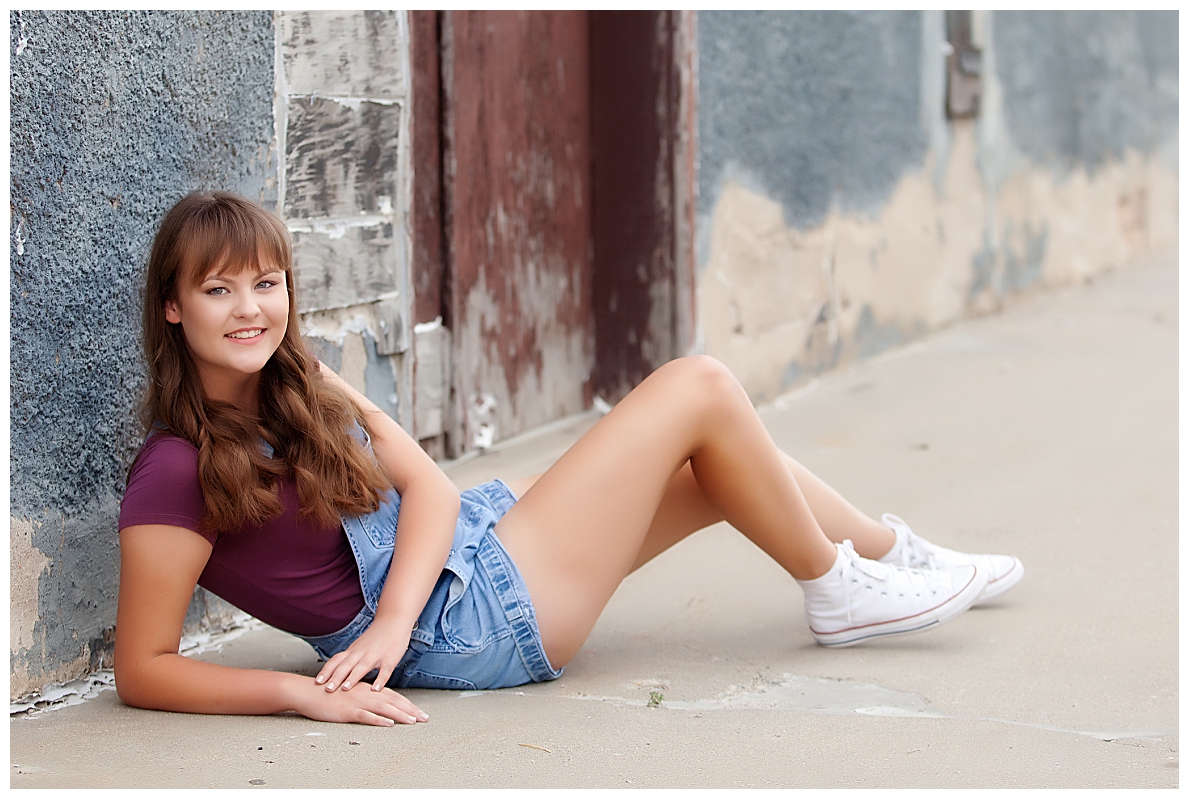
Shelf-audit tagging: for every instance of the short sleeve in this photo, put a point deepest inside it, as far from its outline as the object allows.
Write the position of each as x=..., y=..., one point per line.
x=163, y=487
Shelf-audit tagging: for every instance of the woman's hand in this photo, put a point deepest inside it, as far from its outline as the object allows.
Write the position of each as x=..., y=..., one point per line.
x=381, y=708
x=380, y=647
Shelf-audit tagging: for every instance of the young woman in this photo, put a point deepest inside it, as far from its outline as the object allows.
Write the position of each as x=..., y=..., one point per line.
x=274, y=484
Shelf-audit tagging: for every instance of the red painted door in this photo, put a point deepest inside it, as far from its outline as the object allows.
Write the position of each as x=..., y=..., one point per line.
x=516, y=197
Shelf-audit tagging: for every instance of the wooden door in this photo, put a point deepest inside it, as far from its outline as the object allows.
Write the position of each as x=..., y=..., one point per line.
x=516, y=188
x=553, y=202
x=641, y=150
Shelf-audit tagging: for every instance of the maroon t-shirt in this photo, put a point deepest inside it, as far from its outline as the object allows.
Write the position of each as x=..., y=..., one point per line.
x=286, y=572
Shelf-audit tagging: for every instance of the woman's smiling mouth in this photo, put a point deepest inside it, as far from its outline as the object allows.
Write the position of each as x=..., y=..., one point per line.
x=246, y=334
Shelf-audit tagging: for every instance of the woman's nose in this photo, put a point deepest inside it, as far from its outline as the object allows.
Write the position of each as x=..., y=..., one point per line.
x=246, y=305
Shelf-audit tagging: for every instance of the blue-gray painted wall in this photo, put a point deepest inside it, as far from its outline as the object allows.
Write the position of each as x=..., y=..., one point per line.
x=817, y=109
x=115, y=116
x=822, y=109
x=1083, y=86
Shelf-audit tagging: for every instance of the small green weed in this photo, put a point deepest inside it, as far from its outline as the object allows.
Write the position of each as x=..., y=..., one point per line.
x=655, y=698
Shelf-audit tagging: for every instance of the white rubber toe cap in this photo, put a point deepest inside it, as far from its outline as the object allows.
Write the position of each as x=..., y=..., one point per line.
x=1004, y=571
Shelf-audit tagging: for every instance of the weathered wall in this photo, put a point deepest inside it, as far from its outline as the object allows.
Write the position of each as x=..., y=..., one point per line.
x=343, y=117
x=816, y=109
x=115, y=116
x=841, y=212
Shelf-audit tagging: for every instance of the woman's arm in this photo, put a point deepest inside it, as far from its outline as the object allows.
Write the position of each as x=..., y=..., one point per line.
x=424, y=531
x=159, y=567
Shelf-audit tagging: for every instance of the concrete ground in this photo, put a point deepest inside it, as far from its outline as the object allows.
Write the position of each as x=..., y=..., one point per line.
x=1048, y=431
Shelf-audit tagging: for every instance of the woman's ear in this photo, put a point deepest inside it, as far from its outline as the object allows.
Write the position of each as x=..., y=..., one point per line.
x=173, y=313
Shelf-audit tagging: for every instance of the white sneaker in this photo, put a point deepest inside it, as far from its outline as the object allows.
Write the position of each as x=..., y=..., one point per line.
x=859, y=598
x=1003, y=571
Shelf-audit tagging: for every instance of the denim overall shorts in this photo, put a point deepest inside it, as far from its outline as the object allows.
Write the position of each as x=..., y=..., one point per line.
x=478, y=629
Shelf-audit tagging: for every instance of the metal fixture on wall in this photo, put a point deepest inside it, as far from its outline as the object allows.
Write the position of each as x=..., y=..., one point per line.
x=964, y=65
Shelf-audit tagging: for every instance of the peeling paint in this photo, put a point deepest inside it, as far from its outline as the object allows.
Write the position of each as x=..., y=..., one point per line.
x=336, y=325
x=530, y=385
x=20, y=237
x=379, y=379
x=25, y=681
x=519, y=249
x=354, y=362
x=337, y=228
x=357, y=54
x=55, y=696
x=841, y=212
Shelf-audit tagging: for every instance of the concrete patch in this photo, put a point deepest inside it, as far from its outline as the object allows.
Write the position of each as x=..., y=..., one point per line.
x=846, y=697
x=26, y=565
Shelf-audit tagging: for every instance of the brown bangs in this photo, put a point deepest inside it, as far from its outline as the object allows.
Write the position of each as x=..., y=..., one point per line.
x=230, y=235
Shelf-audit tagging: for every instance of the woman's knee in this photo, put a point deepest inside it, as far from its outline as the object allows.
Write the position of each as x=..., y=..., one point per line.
x=705, y=378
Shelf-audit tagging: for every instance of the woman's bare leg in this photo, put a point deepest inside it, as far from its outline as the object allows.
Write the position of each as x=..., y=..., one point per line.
x=839, y=519
x=579, y=530
x=684, y=510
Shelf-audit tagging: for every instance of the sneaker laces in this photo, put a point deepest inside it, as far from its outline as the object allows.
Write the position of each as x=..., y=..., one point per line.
x=918, y=552
x=908, y=578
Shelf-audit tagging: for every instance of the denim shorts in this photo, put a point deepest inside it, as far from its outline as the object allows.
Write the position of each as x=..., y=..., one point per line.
x=478, y=630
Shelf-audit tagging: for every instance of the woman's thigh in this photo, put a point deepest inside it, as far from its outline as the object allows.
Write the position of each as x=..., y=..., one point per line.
x=581, y=527
x=683, y=511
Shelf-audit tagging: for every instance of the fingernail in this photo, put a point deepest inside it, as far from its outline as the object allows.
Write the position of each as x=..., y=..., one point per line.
x=329, y=686
x=423, y=717
x=319, y=679
x=346, y=685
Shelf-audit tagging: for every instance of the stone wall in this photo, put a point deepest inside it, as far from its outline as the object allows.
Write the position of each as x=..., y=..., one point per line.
x=842, y=212
x=343, y=109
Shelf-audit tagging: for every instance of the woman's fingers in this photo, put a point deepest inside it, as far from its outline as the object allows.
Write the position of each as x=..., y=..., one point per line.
x=333, y=676
x=348, y=673
x=409, y=707
x=329, y=667
x=352, y=668
x=392, y=705
x=383, y=675
x=383, y=708
x=389, y=715
x=402, y=705
x=358, y=672
x=345, y=669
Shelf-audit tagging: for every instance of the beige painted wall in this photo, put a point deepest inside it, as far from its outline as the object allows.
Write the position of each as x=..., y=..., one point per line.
x=778, y=304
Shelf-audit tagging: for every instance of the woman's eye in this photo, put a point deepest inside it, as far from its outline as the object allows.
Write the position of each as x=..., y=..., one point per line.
x=266, y=284
x=217, y=291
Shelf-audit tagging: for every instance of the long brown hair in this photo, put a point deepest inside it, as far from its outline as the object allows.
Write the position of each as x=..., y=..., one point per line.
x=304, y=418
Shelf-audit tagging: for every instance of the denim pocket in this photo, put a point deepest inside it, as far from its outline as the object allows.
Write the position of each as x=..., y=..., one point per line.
x=469, y=624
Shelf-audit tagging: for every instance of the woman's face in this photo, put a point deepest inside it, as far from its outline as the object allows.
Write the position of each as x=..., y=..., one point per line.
x=233, y=324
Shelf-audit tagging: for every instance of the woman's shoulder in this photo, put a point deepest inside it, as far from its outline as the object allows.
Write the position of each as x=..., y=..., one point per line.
x=162, y=437
x=164, y=451
x=163, y=486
